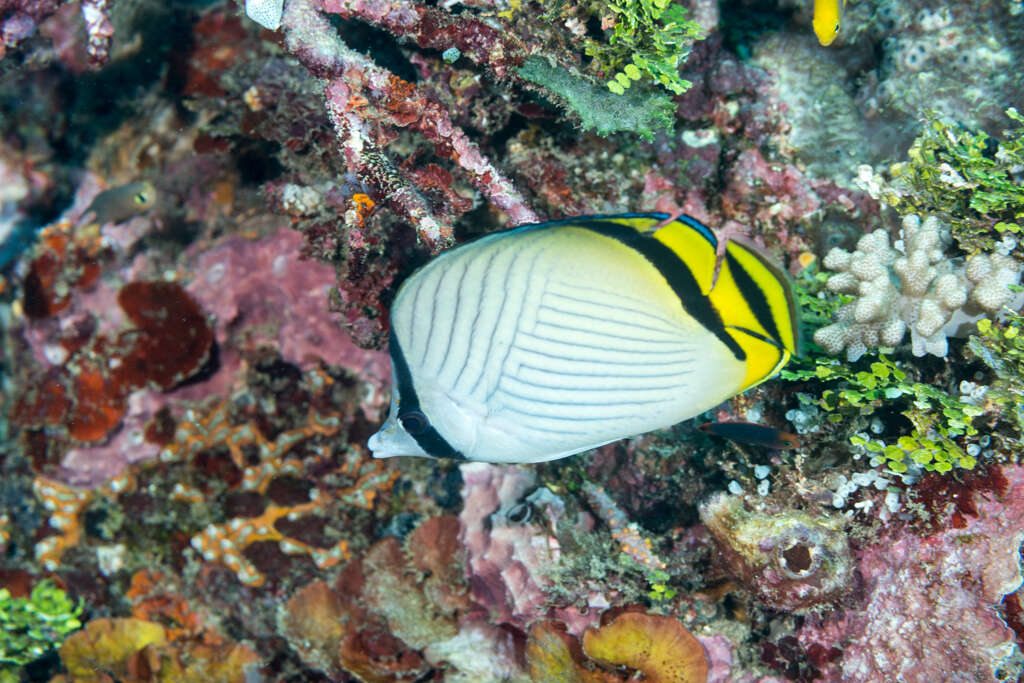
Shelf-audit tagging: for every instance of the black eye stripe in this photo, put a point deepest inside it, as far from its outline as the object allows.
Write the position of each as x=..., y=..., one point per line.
x=429, y=440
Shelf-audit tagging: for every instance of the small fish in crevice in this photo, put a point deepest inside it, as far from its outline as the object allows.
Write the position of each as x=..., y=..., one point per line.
x=547, y=340
x=752, y=433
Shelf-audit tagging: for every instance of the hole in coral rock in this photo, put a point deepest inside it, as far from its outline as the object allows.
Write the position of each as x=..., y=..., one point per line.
x=521, y=513
x=798, y=558
x=516, y=123
x=257, y=162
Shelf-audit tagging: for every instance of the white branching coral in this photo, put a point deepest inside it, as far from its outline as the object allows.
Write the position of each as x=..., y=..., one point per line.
x=912, y=285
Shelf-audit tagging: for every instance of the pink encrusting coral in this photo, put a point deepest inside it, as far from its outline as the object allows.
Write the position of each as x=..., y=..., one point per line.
x=929, y=605
x=505, y=557
x=262, y=292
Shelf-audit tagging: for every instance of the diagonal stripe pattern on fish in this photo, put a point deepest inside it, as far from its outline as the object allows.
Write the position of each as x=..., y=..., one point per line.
x=546, y=340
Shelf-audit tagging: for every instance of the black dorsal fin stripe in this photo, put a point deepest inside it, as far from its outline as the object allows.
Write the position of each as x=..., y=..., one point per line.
x=675, y=271
x=755, y=298
x=430, y=440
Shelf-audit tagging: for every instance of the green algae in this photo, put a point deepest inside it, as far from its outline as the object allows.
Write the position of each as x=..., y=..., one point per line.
x=650, y=38
x=850, y=393
x=970, y=179
x=642, y=110
x=33, y=626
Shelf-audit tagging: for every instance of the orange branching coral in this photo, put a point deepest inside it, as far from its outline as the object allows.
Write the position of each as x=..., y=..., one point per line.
x=657, y=646
x=227, y=542
x=199, y=433
x=66, y=504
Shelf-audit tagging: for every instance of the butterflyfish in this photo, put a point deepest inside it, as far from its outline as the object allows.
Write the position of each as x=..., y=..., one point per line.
x=827, y=14
x=118, y=204
x=752, y=433
x=547, y=340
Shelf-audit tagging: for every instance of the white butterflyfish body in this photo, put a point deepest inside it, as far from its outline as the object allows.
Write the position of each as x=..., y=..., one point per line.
x=548, y=340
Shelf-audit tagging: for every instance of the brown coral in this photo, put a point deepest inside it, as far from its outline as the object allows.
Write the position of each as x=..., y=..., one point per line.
x=657, y=646
x=135, y=650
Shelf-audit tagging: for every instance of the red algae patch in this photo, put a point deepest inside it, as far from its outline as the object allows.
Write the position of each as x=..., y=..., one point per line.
x=173, y=339
x=169, y=342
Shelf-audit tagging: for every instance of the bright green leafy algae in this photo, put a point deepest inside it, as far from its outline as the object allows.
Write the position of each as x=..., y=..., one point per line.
x=649, y=40
x=851, y=392
x=30, y=627
x=637, y=62
x=1000, y=345
x=974, y=182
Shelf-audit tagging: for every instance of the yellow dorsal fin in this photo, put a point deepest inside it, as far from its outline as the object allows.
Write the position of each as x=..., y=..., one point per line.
x=695, y=246
x=755, y=300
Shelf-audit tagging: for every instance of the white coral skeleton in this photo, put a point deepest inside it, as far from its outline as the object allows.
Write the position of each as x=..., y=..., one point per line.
x=912, y=285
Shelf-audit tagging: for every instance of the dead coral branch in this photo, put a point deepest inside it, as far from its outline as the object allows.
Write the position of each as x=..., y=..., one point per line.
x=366, y=103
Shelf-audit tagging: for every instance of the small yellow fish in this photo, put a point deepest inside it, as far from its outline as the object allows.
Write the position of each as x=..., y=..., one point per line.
x=826, y=19
x=120, y=203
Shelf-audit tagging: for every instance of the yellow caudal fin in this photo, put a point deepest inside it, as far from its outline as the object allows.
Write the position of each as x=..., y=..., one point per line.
x=755, y=300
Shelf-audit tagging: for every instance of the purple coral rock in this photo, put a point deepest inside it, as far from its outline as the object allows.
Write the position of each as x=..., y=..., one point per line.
x=928, y=612
x=504, y=558
x=262, y=291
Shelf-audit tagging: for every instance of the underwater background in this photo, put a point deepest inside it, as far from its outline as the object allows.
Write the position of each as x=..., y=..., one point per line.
x=206, y=210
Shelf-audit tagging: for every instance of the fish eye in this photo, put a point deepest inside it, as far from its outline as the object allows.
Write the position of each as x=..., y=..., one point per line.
x=141, y=198
x=414, y=422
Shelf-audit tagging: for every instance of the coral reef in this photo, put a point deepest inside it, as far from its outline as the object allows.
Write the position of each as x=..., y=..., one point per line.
x=790, y=559
x=204, y=221
x=929, y=603
x=934, y=298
